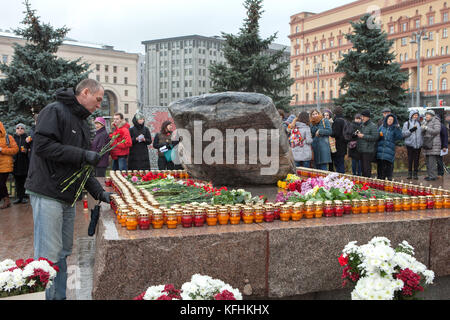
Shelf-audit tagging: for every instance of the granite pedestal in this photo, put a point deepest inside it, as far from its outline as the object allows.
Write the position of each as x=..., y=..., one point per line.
x=267, y=260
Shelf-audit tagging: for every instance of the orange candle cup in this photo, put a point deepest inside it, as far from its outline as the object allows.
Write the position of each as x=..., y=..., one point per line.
x=422, y=203
x=356, y=206
x=235, y=215
x=172, y=220
x=223, y=215
x=364, y=206
x=318, y=209
x=438, y=201
x=398, y=204
x=248, y=215
x=414, y=203
x=406, y=204
x=259, y=214
x=157, y=219
x=309, y=210
x=446, y=199
x=297, y=212
x=211, y=218
x=373, y=205
x=285, y=213
x=381, y=206
x=131, y=221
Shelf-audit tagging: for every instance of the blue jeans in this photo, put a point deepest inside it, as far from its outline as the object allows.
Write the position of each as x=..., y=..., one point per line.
x=356, y=167
x=120, y=164
x=339, y=163
x=322, y=166
x=305, y=164
x=53, y=239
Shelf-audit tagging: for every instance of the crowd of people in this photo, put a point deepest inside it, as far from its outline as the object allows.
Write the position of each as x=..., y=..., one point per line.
x=321, y=139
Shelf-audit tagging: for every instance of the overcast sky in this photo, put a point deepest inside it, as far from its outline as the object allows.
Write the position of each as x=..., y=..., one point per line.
x=125, y=24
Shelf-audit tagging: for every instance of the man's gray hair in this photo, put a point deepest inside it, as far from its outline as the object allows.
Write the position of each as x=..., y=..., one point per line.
x=91, y=84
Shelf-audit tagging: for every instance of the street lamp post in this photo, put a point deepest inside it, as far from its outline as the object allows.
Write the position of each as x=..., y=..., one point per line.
x=417, y=38
x=440, y=69
x=317, y=69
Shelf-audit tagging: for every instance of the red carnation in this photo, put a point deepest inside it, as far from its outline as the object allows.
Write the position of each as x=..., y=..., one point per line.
x=224, y=295
x=140, y=297
x=164, y=297
x=343, y=261
x=20, y=263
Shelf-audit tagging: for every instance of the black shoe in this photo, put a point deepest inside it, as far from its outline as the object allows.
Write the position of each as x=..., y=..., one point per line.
x=24, y=200
x=415, y=176
x=17, y=201
x=409, y=176
x=430, y=179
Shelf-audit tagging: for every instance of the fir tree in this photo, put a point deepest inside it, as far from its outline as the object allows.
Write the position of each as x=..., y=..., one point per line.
x=250, y=67
x=372, y=79
x=35, y=72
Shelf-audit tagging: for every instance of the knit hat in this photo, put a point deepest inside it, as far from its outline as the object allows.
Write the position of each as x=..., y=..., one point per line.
x=21, y=125
x=366, y=113
x=100, y=120
x=386, y=110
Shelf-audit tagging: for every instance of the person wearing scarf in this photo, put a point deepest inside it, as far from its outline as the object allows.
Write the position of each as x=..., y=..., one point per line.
x=139, y=159
x=320, y=131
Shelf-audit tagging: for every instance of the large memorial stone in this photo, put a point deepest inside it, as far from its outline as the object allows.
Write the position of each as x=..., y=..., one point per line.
x=232, y=138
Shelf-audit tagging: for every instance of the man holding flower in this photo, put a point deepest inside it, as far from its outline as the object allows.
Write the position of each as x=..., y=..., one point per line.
x=60, y=148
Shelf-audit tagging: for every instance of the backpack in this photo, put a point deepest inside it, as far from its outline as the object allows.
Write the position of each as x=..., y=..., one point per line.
x=296, y=139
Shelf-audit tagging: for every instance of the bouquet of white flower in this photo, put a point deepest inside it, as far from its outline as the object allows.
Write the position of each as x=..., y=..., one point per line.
x=383, y=273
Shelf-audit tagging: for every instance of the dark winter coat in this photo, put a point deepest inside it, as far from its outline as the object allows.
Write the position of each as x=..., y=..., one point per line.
x=60, y=140
x=138, y=159
x=321, y=144
x=353, y=152
x=161, y=140
x=368, y=144
x=338, y=129
x=21, y=159
x=386, y=144
x=100, y=140
x=444, y=136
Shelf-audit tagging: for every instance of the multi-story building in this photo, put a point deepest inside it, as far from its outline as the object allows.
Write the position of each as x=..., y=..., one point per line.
x=115, y=70
x=320, y=38
x=179, y=67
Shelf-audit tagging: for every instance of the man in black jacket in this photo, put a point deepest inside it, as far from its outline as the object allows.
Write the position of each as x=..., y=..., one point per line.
x=60, y=148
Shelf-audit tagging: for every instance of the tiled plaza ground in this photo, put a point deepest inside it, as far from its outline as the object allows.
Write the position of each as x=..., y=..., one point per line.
x=16, y=238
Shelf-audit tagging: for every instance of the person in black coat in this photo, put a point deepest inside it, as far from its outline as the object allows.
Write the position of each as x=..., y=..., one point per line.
x=163, y=143
x=101, y=139
x=341, y=144
x=60, y=148
x=138, y=159
x=352, y=139
x=21, y=163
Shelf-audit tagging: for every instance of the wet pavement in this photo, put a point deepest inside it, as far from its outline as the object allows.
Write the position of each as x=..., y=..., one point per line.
x=16, y=237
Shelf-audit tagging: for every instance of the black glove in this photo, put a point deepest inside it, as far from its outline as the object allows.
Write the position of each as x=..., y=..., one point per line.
x=91, y=157
x=95, y=214
x=105, y=196
x=413, y=129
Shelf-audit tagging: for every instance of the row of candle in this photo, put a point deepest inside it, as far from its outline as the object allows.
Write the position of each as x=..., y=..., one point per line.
x=177, y=174
x=384, y=185
x=138, y=209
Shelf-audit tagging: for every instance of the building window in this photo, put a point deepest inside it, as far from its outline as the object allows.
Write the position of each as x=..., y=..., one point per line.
x=114, y=79
x=125, y=80
x=404, y=27
x=404, y=41
x=126, y=93
x=125, y=108
x=391, y=29
x=445, y=17
x=97, y=67
x=126, y=69
x=97, y=77
x=417, y=24
x=106, y=79
x=430, y=69
x=430, y=20
x=444, y=33
x=430, y=85
x=401, y=57
x=430, y=36
x=106, y=68
x=114, y=68
x=444, y=84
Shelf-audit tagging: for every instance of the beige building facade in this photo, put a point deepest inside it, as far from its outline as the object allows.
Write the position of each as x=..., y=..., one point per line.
x=320, y=38
x=115, y=70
